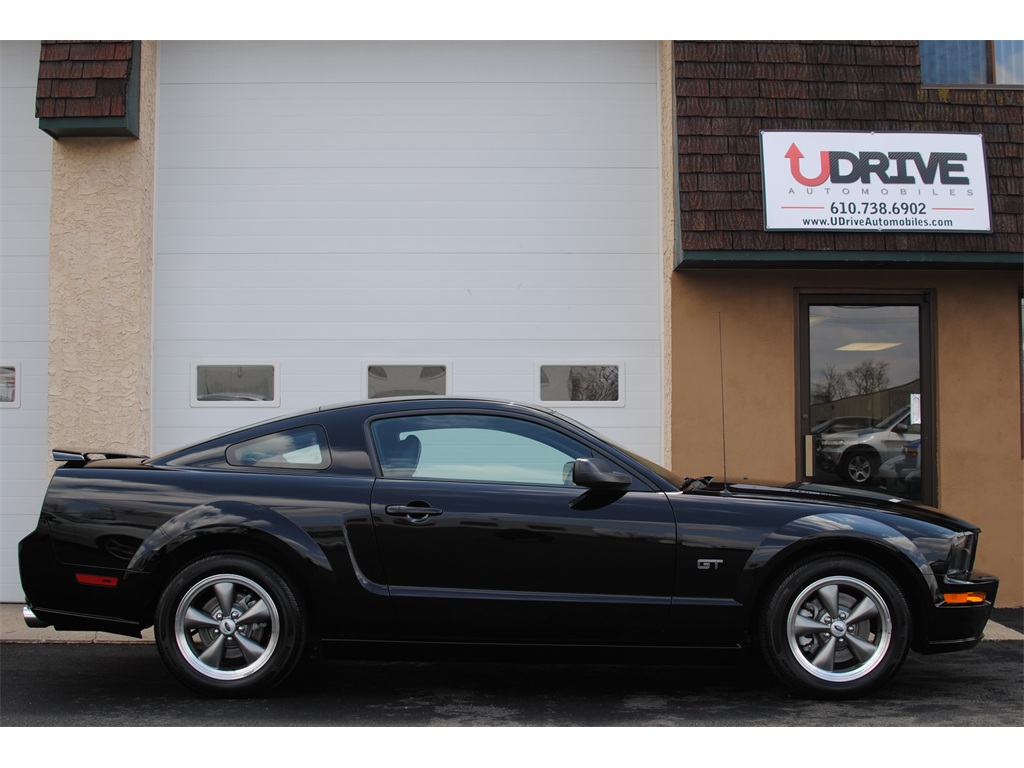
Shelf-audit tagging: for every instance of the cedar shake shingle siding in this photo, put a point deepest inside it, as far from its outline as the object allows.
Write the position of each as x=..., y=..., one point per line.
x=727, y=92
x=83, y=78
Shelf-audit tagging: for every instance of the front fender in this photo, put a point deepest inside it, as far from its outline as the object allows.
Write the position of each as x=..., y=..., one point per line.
x=838, y=530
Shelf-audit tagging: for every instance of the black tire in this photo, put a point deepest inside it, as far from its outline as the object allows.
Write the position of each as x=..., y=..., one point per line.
x=859, y=467
x=823, y=655
x=228, y=625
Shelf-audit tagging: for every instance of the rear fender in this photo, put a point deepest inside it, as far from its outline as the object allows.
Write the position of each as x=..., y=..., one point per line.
x=229, y=517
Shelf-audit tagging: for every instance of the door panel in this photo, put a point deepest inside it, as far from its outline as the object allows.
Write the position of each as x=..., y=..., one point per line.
x=518, y=561
x=469, y=551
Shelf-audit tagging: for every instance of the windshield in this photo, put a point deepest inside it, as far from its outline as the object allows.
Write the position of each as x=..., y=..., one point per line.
x=893, y=419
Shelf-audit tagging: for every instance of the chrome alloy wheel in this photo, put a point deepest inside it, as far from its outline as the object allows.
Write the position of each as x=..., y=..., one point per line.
x=226, y=627
x=839, y=628
x=859, y=468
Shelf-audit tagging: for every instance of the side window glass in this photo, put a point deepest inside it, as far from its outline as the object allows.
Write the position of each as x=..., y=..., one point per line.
x=303, y=448
x=475, y=448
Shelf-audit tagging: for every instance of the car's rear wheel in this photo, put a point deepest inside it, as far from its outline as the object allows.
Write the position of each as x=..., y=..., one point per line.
x=228, y=625
x=836, y=627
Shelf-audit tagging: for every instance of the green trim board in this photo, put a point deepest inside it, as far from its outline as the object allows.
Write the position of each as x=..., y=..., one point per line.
x=832, y=259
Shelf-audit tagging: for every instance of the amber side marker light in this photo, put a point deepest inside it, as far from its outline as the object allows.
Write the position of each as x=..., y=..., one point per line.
x=95, y=580
x=963, y=598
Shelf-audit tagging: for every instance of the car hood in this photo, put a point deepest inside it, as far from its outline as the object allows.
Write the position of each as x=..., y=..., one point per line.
x=852, y=436
x=819, y=492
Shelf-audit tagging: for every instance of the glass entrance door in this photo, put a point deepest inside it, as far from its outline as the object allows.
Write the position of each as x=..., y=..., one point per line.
x=866, y=394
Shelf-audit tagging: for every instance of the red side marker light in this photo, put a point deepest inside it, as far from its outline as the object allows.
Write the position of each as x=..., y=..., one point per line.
x=96, y=580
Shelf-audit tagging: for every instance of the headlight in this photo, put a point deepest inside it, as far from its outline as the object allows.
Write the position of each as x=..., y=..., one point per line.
x=832, y=444
x=961, y=553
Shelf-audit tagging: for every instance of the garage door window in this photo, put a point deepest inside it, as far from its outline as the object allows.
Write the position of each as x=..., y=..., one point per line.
x=9, y=386
x=405, y=379
x=235, y=384
x=596, y=384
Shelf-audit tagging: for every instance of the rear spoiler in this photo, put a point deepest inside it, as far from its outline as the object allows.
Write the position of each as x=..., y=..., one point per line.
x=81, y=458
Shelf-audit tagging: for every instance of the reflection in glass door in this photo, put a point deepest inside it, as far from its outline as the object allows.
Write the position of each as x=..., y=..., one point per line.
x=865, y=403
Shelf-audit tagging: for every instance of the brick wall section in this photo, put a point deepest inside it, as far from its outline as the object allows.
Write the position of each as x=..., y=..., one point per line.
x=727, y=92
x=83, y=78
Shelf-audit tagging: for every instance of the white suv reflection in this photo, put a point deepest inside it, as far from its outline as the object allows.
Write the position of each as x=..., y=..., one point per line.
x=856, y=456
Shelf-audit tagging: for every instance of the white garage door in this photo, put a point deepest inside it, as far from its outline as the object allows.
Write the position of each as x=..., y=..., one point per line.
x=344, y=219
x=25, y=154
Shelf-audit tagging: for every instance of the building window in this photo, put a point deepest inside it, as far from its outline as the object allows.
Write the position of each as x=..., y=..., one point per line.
x=578, y=384
x=972, y=62
x=235, y=384
x=10, y=389
x=407, y=379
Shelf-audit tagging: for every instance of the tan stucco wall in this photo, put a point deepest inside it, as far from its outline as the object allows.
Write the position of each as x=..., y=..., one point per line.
x=101, y=277
x=669, y=224
x=977, y=321
x=979, y=397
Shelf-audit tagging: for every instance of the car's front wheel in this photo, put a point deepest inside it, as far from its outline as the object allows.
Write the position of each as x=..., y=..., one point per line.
x=228, y=625
x=836, y=627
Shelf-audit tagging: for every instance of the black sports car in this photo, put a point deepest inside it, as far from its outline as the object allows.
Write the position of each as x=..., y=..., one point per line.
x=428, y=522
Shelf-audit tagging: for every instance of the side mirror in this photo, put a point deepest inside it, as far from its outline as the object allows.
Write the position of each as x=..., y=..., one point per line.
x=598, y=473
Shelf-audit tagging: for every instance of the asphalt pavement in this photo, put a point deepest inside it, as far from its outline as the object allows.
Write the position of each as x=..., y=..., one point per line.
x=50, y=678
x=126, y=685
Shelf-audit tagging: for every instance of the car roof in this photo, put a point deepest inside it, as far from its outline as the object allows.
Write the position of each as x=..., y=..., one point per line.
x=431, y=399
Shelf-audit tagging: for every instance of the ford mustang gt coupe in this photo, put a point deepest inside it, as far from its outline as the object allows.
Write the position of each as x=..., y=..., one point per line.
x=432, y=523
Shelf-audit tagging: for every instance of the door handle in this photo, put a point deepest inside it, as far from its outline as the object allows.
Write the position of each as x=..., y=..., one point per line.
x=412, y=512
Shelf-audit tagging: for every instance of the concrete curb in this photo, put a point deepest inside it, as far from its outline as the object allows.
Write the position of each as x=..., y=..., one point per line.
x=994, y=631
x=14, y=630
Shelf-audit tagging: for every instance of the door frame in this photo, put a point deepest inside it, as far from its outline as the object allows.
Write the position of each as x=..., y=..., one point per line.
x=924, y=300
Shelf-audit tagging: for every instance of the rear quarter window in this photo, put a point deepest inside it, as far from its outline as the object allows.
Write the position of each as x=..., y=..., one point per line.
x=301, y=448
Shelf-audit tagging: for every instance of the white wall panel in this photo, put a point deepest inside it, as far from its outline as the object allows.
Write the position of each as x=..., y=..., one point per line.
x=487, y=205
x=25, y=162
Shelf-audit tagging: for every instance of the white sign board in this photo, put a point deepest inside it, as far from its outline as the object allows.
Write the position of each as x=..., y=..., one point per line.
x=920, y=182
